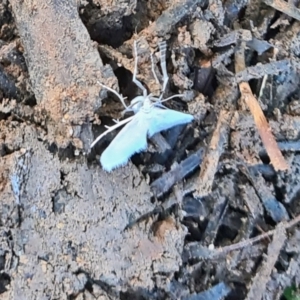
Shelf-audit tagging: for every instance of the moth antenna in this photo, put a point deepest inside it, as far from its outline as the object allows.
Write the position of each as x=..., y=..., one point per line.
x=134, y=79
x=121, y=98
x=110, y=129
x=152, y=68
x=162, y=50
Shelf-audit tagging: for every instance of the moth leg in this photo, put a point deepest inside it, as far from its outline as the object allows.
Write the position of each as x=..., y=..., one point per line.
x=121, y=98
x=152, y=68
x=162, y=50
x=171, y=97
x=134, y=79
x=110, y=129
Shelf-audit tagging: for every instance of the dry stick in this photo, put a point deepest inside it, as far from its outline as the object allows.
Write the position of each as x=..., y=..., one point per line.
x=249, y=242
x=164, y=183
x=285, y=7
x=276, y=157
x=262, y=276
x=198, y=251
x=261, y=70
x=264, y=130
x=115, y=55
x=125, y=62
x=234, y=37
x=214, y=151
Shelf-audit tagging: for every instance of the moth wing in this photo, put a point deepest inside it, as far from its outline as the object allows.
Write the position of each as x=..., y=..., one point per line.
x=163, y=119
x=130, y=140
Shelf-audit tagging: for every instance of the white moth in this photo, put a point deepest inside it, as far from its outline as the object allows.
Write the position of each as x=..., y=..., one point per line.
x=150, y=118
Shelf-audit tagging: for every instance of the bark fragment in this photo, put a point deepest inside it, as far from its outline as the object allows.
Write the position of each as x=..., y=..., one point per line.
x=63, y=63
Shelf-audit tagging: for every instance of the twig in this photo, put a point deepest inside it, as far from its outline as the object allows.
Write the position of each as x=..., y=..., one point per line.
x=234, y=37
x=216, y=218
x=288, y=146
x=261, y=278
x=167, y=180
x=273, y=207
x=214, y=151
x=252, y=241
x=264, y=129
x=196, y=251
x=115, y=55
x=285, y=7
x=261, y=70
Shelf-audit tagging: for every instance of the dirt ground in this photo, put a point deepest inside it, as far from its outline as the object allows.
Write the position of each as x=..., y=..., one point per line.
x=209, y=211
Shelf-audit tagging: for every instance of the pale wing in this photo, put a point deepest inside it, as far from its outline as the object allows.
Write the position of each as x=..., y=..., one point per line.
x=130, y=140
x=163, y=119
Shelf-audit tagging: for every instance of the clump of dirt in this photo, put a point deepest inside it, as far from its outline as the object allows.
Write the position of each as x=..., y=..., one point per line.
x=67, y=221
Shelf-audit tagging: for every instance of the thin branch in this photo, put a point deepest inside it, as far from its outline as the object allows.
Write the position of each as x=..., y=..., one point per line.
x=197, y=251
x=261, y=70
x=262, y=277
x=252, y=241
x=210, y=162
x=285, y=7
x=264, y=129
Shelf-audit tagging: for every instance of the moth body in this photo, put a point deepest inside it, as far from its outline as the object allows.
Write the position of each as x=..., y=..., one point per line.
x=150, y=117
x=133, y=137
